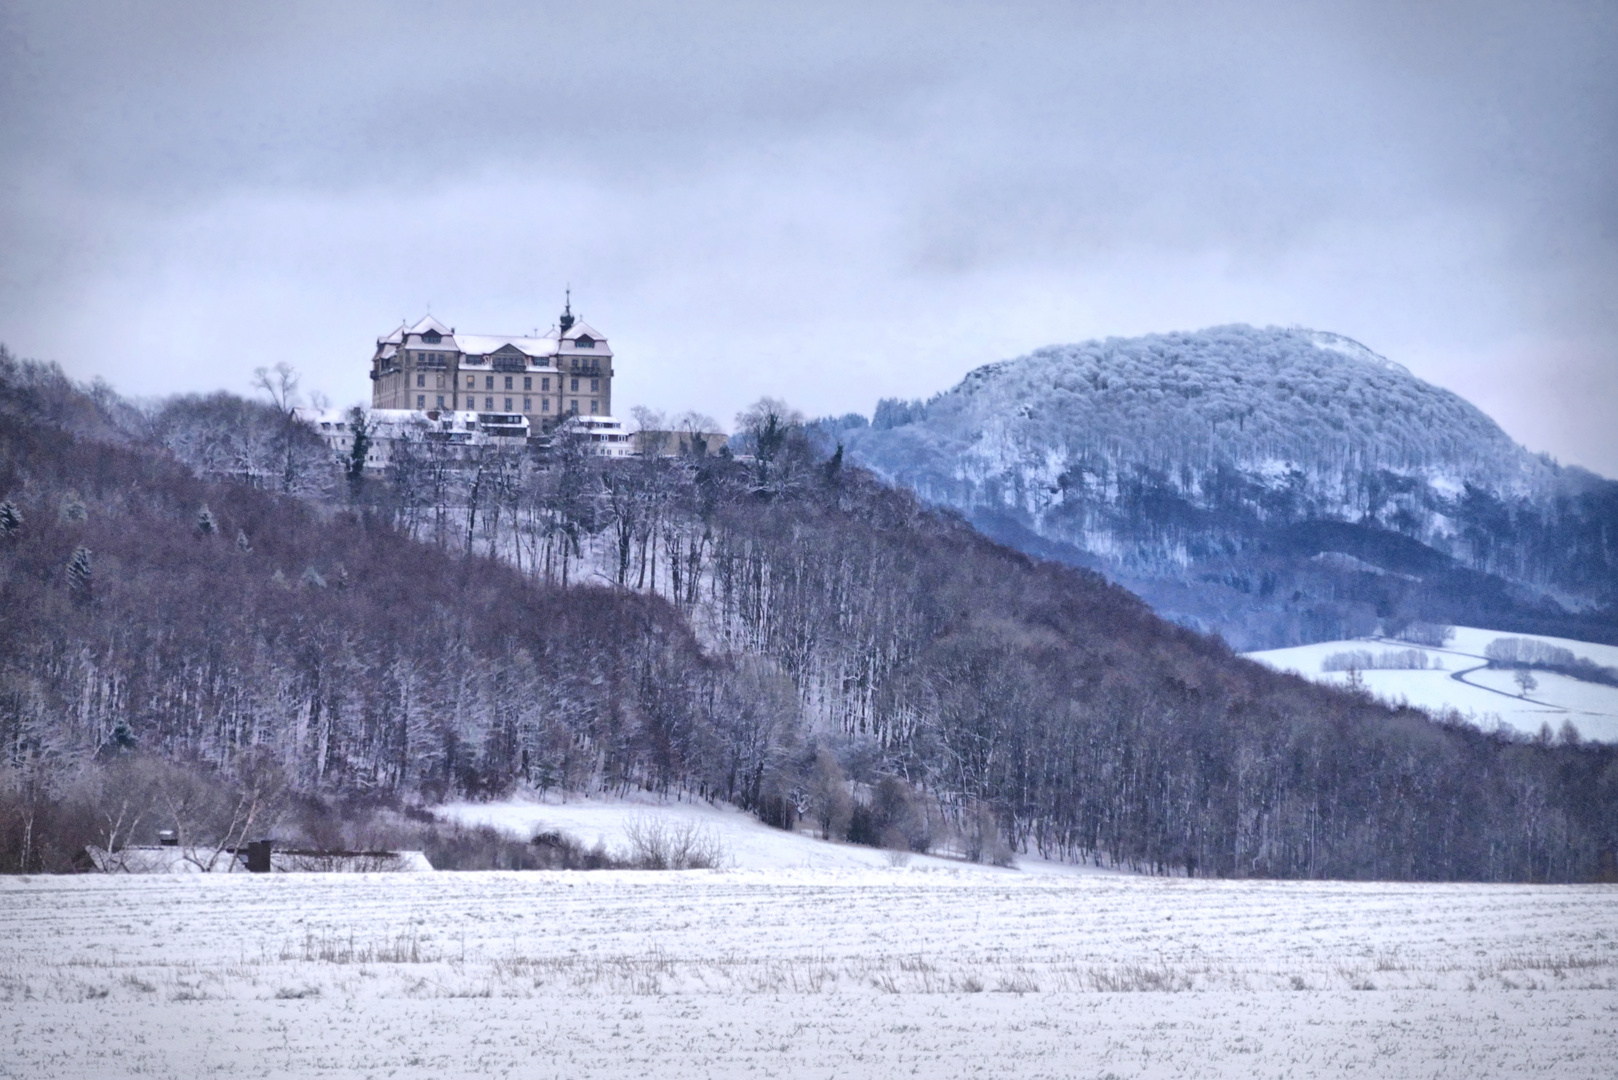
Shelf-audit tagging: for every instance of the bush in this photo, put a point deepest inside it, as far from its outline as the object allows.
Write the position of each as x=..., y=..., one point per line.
x=658, y=844
x=1432, y=635
x=896, y=817
x=981, y=839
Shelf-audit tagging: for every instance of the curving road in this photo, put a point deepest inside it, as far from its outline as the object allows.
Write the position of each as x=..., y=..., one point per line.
x=1460, y=676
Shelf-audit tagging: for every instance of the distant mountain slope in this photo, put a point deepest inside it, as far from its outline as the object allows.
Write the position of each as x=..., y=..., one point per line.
x=1277, y=485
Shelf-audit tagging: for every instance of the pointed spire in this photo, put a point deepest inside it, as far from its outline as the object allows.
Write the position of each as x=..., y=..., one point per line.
x=567, y=312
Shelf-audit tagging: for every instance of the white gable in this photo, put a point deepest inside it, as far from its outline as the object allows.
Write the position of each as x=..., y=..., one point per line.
x=430, y=323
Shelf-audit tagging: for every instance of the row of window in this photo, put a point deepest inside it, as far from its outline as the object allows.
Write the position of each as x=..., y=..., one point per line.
x=488, y=404
x=586, y=363
x=527, y=383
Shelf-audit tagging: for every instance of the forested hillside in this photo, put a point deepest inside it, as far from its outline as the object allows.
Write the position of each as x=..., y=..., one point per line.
x=1278, y=486
x=787, y=633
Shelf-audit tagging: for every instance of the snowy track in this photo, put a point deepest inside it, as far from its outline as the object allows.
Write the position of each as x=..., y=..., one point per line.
x=870, y=973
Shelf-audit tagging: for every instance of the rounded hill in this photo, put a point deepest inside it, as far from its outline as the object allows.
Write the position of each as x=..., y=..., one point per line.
x=1266, y=398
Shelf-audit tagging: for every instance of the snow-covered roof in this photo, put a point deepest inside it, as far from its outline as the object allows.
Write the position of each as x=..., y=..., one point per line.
x=484, y=344
x=430, y=323
x=539, y=348
x=580, y=330
x=605, y=423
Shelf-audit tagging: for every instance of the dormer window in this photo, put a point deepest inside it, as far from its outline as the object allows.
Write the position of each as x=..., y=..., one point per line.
x=432, y=337
x=586, y=342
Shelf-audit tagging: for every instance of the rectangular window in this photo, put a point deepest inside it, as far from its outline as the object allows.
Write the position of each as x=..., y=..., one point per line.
x=470, y=382
x=488, y=382
x=573, y=406
x=545, y=406
x=488, y=404
x=508, y=382
x=595, y=407
x=440, y=401
x=527, y=383
x=595, y=386
x=545, y=385
x=508, y=404
x=527, y=404
x=421, y=401
x=421, y=380
x=575, y=386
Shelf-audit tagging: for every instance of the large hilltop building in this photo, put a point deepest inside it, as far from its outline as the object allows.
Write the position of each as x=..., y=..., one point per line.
x=429, y=367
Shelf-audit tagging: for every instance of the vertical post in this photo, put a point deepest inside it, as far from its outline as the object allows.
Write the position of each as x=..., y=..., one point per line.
x=258, y=856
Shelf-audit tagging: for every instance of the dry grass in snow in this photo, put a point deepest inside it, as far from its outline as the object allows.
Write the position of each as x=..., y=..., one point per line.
x=856, y=973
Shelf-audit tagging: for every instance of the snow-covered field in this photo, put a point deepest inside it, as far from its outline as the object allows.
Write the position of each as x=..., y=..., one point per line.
x=1487, y=697
x=852, y=972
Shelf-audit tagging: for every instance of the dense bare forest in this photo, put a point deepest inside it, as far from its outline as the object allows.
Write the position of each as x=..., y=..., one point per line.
x=198, y=584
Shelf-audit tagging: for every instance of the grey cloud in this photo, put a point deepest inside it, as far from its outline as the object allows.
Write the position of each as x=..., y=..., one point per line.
x=944, y=182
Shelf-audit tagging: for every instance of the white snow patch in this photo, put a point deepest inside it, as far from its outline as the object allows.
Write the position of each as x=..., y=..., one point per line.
x=748, y=843
x=1346, y=346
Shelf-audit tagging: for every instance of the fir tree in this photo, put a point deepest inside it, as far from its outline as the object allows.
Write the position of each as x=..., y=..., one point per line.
x=80, y=575
x=10, y=518
x=206, y=524
x=357, y=453
x=122, y=741
x=243, y=544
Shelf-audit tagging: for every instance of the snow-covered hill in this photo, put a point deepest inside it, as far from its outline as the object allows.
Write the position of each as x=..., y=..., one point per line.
x=1197, y=467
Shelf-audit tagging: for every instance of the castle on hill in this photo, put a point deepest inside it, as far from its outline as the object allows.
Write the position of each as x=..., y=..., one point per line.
x=429, y=367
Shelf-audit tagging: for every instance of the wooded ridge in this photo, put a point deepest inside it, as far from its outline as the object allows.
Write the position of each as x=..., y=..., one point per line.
x=786, y=633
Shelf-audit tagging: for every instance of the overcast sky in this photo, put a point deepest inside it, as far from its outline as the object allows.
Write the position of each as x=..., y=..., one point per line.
x=826, y=202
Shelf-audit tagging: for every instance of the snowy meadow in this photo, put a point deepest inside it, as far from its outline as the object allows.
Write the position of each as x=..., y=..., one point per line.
x=1457, y=678
x=925, y=969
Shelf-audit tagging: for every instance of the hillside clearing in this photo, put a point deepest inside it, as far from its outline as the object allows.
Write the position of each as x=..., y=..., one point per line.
x=746, y=842
x=1483, y=696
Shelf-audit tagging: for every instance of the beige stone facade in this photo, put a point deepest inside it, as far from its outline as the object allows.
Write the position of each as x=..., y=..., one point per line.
x=429, y=367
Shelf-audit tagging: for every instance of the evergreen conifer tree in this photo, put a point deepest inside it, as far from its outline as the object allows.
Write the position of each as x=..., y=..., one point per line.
x=357, y=453
x=80, y=575
x=10, y=518
x=206, y=524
